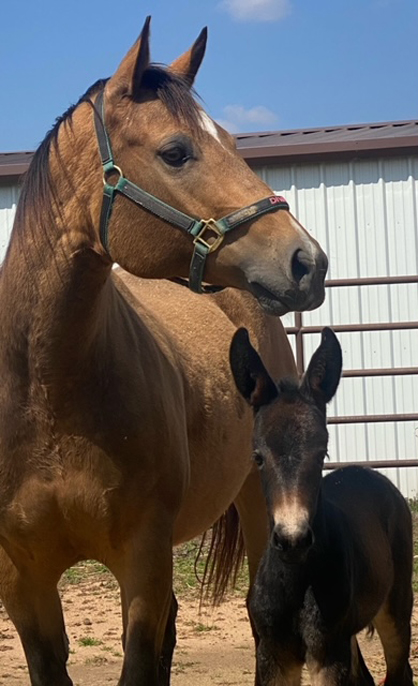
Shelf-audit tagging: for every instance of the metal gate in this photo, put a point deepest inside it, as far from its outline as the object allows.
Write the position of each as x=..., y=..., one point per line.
x=299, y=330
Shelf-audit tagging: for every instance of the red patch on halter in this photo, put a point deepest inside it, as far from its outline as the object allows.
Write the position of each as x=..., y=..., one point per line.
x=274, y=199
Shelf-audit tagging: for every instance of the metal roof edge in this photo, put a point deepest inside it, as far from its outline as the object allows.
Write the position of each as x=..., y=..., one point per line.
x=14, y=169
x=330, y=128
x=256, y=148
x=332, y=149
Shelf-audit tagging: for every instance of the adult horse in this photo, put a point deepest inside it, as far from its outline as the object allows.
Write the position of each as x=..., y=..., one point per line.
x=121, y=433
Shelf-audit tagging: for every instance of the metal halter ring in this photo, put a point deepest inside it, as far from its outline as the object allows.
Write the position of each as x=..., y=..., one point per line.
x=106, y=172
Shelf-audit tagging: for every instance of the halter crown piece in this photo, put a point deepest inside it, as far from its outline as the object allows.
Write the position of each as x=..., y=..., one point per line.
x=207, y=234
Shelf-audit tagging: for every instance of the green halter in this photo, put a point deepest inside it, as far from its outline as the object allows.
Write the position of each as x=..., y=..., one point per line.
x=201, y=230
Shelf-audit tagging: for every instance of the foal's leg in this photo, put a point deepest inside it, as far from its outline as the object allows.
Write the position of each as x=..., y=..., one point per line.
x=144, y=573
x=275, y=667
x=360, y=675
x=34, y=607
x=393, y=626
x=335, y=665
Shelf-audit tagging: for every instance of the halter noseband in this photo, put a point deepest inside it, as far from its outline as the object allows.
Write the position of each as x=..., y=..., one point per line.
x=197, y=228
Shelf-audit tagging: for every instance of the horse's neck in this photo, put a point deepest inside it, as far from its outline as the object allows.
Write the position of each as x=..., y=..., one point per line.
x=54, y=309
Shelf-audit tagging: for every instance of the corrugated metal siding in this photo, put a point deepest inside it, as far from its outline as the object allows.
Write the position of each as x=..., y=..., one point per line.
x=364, y=214
x=9, y=195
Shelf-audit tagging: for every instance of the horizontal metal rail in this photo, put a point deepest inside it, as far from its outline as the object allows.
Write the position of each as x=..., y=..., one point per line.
x=355, y=328
x=374, y=464
x=372, y=281
x=299, y=330
x=395, y=371
x=372, y=418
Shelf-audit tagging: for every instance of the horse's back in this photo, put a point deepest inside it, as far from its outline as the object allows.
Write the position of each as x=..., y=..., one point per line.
x=377, y=528
x=357, y=490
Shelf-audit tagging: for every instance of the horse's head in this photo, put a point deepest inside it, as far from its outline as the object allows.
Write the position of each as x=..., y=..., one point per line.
x=290, y=437
x=166, y=144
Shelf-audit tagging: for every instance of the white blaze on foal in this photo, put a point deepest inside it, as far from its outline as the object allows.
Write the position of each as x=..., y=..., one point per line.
x=291, y=516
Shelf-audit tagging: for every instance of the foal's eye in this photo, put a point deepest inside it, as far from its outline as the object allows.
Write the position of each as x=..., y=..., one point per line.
x=258, y=458
x=174, y=156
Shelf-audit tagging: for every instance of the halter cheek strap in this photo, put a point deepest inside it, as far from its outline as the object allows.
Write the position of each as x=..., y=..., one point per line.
x=207, y=234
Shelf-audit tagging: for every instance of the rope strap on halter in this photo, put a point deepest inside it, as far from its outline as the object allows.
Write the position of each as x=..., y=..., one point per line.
x=207, y=234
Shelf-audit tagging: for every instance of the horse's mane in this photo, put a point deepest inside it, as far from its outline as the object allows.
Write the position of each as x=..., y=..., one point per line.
x=38, y=195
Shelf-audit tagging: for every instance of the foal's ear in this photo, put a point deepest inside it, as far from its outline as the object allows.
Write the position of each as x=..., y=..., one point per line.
x=251, y=377
x=323, y=374
x=188, y=64
x=128, y=76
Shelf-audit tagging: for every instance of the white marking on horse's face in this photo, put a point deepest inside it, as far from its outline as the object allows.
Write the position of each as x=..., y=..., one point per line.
x=208, y=125
x=291, y=516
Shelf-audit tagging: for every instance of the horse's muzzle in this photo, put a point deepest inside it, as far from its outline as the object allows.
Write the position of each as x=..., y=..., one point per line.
x=303, y=289
x=308, y=274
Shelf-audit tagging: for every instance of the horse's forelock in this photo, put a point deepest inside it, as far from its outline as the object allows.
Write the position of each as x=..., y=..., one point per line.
x=175, y=94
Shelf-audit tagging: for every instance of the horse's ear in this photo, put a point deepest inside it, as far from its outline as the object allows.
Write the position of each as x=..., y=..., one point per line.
x=251, y=377
x=324, y=372
x=188, y=64
x=128, y=76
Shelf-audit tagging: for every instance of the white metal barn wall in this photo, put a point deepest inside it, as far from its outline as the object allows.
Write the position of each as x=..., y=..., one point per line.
x=364, y=214
x=9, y=194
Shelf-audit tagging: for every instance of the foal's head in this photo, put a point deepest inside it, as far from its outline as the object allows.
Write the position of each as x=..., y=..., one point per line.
x=290, y=437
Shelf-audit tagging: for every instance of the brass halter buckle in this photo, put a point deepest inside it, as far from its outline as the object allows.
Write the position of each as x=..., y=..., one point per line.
x=212, y=226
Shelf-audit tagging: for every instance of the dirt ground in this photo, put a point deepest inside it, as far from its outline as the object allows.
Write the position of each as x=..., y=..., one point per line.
x=214, y=647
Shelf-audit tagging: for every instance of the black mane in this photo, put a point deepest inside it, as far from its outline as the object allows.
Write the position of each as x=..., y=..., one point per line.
x=38, y=196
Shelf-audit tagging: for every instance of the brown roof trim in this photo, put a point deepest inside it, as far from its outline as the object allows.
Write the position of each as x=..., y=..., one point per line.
x=352, y=147
x=13, y=169
x=313, y=154
x=356, y=140
x=296, y=146
x=14, y=163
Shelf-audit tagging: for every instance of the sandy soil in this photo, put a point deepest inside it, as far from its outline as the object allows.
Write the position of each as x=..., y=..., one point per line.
x=213, y=648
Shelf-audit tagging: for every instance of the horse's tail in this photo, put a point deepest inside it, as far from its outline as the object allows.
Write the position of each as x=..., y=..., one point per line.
x=225, y=556
x=370, y=631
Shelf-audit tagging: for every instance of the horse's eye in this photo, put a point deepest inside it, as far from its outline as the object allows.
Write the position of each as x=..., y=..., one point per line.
x=174, y=156
x=258, y=458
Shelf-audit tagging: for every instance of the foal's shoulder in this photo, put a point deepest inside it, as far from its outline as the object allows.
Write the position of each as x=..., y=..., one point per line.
x=361, y=489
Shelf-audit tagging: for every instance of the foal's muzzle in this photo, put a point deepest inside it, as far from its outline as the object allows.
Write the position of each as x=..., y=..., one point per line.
x=292, y=549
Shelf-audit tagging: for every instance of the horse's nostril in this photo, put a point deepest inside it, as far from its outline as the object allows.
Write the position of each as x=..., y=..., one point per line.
x=307, y=541
x=277, y=541
x=302, y=265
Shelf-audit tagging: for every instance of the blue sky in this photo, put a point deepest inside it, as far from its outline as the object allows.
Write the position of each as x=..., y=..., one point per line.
x=270, y=64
